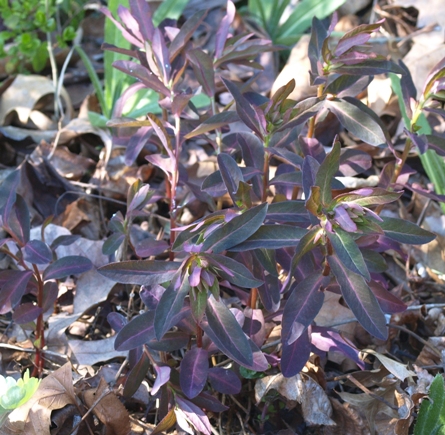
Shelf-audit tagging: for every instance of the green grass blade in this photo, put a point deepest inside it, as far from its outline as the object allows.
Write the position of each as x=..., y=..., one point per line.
x=433, y=164
x=300, y=19
x=115, y=81
x=169, y=9
x=94, y=79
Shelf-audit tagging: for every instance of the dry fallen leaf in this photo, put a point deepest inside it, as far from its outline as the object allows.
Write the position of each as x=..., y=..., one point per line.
x=316, y=407
x=399, y=370
x=109, y=410
x=34, y=417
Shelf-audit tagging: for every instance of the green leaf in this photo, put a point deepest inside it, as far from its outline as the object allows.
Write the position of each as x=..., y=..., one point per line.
x=115, y=81
x=404, y=231
x=368, y=196
x=300, y=19
x=431, y=418
x=348, y=252
x=357, y=122
x=326, y=172
x=169, y=9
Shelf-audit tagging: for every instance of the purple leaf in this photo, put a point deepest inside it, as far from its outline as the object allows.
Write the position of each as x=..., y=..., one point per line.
x=151, y=295
x=287, y=211
x=244, y=109
x=223, y=30
x=137, y=332
x=326, y=173
x=185, y=33
x=369, y=196
x=302, y=306
x=357, y=121
x=230, y=173
x=213, y=122
x=25, y=313
x=290, y=157
x=148, y=247
x=388, y=302
x=269, y=292
x=112, y=244
x=143, y=74
x=203, y=68
x=142, y=13
x=161, y=53
x=194, y=369
x=163, y=376
x=294, y=356
x=236, y=231
x=226, y=333
x=254, y=325
x=8, y=194
x=19, y=220
x=271, y=237
x=360, y=299
x=129, y=21
x=37, y=252
x=64, y=241
x=127, y=35
x=224, y=381
x=233, y=271
x=195, y=415
x=66, y=266
x=208, y=402
x=136, y=375
x=136, y=144
x=13, y=285
x=170, y=304
x=348, y=252
x=420, y=141
x=50, y=294
x=353, y=162
x=117, y=321
x=172, y=340
x=141, y=272
x=370, y=67
x=403, y=231
x=327, y=340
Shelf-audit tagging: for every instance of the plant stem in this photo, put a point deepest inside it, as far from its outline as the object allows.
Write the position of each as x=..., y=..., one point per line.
x=253, y=298
x=39, y=343
x=218, y=131
x=265, y=178
x=311, y=128
x=198, y=336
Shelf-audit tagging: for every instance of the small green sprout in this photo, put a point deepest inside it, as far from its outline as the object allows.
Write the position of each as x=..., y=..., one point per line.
x=15, y=393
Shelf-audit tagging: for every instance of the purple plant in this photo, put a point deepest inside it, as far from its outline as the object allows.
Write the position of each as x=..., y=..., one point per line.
x=37, y=267
x=277, y=250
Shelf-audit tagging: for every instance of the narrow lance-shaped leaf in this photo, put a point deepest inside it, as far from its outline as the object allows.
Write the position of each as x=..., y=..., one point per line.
x=216, y=121
x=225, y=381
x=348, y=252
x=223, y=30
x=66, y=266
x=360, y=299
x=141, y=272
x=368, y=196
x=243, y=108
x=194, y=369
x=236, y=231
x=357, y=121
x=37, y=252
x=326, y=173
x=185, y=33
x=302, y=306
x=272, y=237
x=227, y=333
x=13, y=288
x=195, y=415
x=170, y=304
x=202, y=65
x=306, y=244
x=404, y=231
x=233, y=271
x=136, y=376
x=8, y=194
x=294, y=356
x=137, y=332
x=230, y=173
